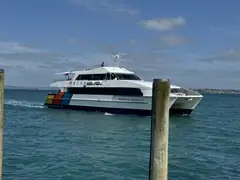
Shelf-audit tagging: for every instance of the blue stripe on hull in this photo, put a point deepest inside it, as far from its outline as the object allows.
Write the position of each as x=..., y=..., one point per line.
x=139, y=112
x=66, y=98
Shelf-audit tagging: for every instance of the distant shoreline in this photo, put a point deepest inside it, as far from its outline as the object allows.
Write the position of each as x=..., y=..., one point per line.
x=27, y=88
x=216, y=91
x=200, y=90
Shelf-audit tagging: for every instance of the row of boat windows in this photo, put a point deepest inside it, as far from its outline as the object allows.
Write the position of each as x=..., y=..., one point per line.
x=116, y=91
x=108, y=76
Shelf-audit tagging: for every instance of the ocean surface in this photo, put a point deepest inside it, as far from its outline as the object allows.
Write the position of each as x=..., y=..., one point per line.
x=47, y=144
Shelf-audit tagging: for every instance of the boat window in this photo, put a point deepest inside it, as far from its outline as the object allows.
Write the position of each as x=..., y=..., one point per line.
x=113, y=76
x=108, y=76
x=178, y=90
x=98, y=76
x=83, y=77
x=127, y=77
x=92, y=77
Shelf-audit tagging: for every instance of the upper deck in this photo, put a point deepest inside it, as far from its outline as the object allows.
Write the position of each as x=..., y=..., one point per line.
x=78, y=77
x=104, y=70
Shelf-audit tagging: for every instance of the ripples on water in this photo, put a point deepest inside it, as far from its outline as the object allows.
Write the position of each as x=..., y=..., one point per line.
x=41, y=143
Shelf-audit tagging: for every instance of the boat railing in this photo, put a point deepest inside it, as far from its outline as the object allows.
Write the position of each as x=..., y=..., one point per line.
x=183, y=91
x=57, y=80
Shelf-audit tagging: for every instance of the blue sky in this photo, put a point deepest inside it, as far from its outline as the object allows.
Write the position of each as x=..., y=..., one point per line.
x=194, y=43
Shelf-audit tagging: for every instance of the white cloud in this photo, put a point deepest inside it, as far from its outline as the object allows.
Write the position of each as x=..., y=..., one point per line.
x=33, y=67
x=163, y=24
x=72, y=40
x=225, y=31
x=12, y=47
x=105, y=5
x=173, y=40
x=229, y=56
x=128, y=10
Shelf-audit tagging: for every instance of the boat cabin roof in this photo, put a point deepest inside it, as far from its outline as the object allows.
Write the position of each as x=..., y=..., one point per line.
x=104, y=70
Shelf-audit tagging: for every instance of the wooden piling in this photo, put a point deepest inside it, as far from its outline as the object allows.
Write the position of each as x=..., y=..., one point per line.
x=158, y=161
x=1, y=118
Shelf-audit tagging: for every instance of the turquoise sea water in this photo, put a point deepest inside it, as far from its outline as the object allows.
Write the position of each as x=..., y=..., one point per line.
x=41, y=143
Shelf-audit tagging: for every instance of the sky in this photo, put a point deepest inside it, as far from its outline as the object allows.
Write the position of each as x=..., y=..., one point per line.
x=195, y=44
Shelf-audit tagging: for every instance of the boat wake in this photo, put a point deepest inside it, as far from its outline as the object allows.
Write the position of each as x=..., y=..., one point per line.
x=109, y=114
x=27, y=104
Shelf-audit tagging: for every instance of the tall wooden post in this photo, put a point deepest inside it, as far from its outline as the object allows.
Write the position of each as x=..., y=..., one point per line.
x=1, y=117
x=158, y=162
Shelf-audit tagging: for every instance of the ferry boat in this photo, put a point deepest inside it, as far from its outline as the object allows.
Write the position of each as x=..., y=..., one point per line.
x=114, y=89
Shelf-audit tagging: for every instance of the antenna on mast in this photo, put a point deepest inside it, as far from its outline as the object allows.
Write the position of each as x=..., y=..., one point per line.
x=116, y=56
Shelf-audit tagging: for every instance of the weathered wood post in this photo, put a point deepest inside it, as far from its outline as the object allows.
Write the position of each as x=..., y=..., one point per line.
x=1, y=118
x=158, y=162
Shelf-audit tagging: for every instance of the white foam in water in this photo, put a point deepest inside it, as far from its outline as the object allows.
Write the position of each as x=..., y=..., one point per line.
x=108, y=114
x=23, y=104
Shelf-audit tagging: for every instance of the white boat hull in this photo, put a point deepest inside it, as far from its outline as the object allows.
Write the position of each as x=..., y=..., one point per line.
x=117, y=89
x=121, y=102
x=110, y=104
x=185, y=104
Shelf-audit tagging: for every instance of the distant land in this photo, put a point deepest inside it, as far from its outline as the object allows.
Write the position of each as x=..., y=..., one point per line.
x=217, y=91
x=200, y=90
x=29, y=88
